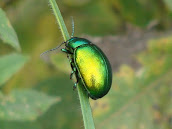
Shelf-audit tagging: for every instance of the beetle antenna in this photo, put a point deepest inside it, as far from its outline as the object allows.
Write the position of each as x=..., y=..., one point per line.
x=52, y=49
x=72, y=26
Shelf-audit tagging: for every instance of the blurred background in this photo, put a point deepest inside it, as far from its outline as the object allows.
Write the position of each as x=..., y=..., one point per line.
x=134, y=34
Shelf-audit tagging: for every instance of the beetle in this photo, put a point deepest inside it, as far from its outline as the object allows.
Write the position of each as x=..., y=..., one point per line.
x=89, y=64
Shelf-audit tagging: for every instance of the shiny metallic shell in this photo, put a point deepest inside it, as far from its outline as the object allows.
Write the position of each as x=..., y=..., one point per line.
x=94, y=70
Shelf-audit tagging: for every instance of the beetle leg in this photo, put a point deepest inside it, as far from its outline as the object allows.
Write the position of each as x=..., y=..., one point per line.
x=71, y=75
x=74, y=87
x=72, y=66
x=77, y=79
x=70, y=60
x=73, y=69
x=66, y=51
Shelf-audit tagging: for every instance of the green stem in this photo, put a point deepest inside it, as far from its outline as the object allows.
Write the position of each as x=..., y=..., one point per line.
x=85, y=107
x=83, y=97
x=59, y=19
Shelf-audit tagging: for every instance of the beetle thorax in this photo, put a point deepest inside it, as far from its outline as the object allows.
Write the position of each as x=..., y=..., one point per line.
x=75, y=42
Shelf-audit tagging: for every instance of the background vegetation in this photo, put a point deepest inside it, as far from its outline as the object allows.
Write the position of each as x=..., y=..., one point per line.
x=135, y=35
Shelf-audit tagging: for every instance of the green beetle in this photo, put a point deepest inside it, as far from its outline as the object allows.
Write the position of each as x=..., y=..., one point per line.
x=89, y=64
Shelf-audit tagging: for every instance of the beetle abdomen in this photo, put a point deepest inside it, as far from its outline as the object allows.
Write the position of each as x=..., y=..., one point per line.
x=94, y=69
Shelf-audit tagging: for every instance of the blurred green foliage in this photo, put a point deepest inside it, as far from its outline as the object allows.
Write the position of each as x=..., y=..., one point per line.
x=9, y=65
x=23, y=105
x=7, y=33
x=138, y=99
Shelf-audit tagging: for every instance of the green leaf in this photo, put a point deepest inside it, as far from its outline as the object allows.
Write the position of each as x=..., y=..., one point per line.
x=141, y=99
x=7, y=33
x=9, y=65
x=24, y=105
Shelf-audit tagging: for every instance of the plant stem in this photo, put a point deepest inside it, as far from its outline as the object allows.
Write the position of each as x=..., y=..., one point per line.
x=59, y=19
x=83, y=97
x=85, y=107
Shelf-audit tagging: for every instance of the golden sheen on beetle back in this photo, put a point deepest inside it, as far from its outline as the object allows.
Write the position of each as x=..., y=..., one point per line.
x=91, y=65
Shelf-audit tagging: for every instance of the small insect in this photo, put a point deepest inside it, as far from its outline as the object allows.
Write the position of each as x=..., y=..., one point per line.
x=89, y=64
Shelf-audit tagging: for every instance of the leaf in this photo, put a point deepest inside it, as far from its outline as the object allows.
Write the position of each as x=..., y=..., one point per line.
x=9, y=65
x=141, y=99
x=7, y=33
x=24, y=105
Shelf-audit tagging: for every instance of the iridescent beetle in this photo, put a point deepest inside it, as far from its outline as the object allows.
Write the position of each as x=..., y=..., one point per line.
x=89, y=64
